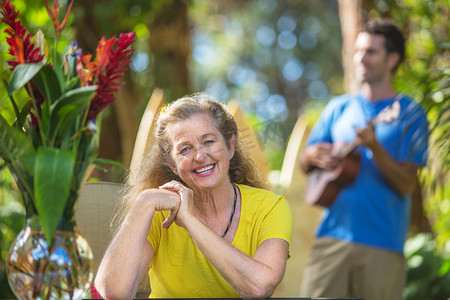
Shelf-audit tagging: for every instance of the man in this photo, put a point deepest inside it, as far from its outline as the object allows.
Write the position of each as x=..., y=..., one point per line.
x=358, y=251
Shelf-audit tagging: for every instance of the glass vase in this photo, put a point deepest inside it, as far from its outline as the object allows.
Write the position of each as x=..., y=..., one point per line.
x=60, y=270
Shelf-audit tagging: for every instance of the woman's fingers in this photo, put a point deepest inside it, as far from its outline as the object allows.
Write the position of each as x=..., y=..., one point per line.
x=173, y=185
x=167, y=197
x=186, y=201
x=185, y=193
x=170, y=218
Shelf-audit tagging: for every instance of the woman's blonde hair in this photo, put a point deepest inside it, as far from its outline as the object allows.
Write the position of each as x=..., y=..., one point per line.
x=155, y=169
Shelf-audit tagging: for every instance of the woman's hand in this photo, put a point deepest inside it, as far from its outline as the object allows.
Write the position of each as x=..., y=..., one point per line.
x=186, y=203
x=161, y=199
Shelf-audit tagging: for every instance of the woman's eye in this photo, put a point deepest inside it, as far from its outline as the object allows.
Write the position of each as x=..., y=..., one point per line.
x=184, y=150
x=209, y=142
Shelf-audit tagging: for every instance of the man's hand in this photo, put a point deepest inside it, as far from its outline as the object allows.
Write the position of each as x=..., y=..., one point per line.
x=366, y=136
x=318, y=155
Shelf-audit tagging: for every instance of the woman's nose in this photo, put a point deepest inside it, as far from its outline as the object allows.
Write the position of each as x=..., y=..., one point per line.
x=200, y=153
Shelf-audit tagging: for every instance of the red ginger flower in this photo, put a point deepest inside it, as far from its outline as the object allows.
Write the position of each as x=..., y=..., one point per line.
x=110, y=64
x=21, y=47
x=54, y=15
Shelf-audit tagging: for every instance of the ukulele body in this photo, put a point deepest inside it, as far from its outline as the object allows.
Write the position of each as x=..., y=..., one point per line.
x=323, y=186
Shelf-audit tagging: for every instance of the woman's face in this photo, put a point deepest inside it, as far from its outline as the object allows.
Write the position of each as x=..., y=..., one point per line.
x=199, y=151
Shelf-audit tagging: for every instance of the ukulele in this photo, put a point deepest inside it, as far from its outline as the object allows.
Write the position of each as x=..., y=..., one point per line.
x=323, y=186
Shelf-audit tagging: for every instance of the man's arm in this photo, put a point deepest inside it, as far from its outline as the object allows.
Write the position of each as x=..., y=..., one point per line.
x=400, y=175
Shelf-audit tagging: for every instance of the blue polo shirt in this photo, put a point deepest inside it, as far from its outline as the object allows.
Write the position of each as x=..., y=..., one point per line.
x=369, y=211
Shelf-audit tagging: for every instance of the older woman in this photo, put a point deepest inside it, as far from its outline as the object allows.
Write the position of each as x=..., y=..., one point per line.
x=230, y=237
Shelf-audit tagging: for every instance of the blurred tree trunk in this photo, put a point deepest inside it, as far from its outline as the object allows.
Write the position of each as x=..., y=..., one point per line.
x=169, y=46
x=349, y=15
x=352, y=13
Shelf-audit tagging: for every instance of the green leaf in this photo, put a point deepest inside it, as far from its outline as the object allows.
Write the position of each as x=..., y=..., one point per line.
x=445, y=267
x=22, y=75
x=58, y=64
x=13, y=142
x=52, y=180
x=72, y=83
x=29, y=162
x=98, y=161
x=65, y=110
x=48, y=84
x=23, y=114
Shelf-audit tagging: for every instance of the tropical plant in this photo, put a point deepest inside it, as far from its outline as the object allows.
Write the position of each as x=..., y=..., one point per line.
x=428, y=271
x=54, y=137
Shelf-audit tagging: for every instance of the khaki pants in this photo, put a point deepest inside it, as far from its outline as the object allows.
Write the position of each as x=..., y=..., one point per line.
x=339, y=269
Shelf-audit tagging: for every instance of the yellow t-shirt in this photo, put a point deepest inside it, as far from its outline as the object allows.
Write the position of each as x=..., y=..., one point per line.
x=179, y=269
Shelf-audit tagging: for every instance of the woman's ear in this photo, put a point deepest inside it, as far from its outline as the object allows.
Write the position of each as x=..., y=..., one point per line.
x=173, y=168
x=231, y=146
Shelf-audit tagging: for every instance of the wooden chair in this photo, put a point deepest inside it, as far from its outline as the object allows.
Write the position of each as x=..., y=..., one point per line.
x=292, y=184
x=251, y=140
x=144, y=139
x=94, y=213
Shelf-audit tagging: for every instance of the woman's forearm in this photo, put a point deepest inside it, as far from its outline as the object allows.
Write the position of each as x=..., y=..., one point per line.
x=251, y=277
x=127, y=257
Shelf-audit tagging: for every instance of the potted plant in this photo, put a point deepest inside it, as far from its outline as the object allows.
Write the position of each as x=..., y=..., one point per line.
x=49, y=148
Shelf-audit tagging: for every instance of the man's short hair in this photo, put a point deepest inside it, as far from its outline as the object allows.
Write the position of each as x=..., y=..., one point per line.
x=394, y=40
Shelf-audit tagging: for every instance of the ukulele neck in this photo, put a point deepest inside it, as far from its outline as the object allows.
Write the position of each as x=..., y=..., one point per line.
x=387, y=115
x=346, y=149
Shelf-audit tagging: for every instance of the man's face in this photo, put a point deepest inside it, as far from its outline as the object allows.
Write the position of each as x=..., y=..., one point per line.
x=372, y=62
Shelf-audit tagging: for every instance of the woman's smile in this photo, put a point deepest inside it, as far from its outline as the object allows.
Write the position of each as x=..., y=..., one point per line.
x=205, y=170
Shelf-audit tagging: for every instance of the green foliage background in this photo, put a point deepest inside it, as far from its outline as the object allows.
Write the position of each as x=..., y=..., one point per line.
x=425, y=76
